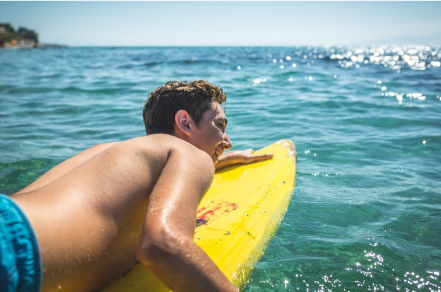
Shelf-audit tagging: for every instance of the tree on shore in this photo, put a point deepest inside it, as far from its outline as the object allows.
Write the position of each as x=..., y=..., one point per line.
x=23, y=33
x=28, y=34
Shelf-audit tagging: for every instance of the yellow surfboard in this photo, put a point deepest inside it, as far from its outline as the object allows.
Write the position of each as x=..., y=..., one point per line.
x=237, y=218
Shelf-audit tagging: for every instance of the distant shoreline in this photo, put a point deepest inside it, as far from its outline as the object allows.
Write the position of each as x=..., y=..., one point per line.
x=26, y=45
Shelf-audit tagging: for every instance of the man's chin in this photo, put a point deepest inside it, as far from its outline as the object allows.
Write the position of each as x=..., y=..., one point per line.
x=215, y=159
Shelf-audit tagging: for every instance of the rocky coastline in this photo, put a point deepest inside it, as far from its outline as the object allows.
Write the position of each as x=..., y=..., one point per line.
x=30, y=45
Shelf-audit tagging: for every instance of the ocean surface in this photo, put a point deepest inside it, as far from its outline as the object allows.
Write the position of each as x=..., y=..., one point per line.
x=366, y=121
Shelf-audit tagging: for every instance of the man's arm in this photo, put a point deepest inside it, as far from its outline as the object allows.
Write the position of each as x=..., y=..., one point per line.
x=65, y=167
x=166, y=245
x=240, y=157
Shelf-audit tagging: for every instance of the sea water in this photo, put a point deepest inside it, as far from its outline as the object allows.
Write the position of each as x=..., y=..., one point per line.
x=366, y=210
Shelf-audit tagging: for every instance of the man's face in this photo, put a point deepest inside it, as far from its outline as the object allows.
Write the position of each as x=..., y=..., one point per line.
x=210, y=135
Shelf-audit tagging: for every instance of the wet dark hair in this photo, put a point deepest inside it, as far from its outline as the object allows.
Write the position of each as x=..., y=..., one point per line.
x=164, y=102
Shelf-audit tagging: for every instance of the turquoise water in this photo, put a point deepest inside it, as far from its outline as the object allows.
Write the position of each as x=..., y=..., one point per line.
x=366, y=211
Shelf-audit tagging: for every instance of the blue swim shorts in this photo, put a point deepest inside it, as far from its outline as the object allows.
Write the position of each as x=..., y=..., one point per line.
x=20, y=263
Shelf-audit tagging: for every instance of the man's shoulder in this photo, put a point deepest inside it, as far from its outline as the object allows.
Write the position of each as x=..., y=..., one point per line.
x=161, y=147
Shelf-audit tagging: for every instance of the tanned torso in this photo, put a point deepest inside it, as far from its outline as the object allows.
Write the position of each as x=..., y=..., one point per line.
x=92, y=219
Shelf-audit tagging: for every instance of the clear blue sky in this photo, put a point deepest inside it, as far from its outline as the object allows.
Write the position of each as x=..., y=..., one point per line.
x=227, y=23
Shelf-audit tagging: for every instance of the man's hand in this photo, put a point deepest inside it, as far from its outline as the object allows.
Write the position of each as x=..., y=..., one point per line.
x=240, y=157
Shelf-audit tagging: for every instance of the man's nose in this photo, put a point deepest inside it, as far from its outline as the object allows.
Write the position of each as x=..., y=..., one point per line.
x=226, y=143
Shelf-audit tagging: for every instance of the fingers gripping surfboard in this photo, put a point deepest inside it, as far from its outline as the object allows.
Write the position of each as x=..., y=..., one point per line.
x=236, y=219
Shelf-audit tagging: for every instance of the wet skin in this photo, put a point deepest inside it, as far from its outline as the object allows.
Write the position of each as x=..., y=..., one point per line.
x=110, y=206
x=99, y=212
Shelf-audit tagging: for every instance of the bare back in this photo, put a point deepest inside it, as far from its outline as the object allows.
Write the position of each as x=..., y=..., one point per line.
x=92, y=216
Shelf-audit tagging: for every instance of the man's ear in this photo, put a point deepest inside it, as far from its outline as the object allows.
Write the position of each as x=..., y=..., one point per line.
x=182, y=122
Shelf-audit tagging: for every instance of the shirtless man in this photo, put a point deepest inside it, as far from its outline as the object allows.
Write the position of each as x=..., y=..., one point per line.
x=102, y=210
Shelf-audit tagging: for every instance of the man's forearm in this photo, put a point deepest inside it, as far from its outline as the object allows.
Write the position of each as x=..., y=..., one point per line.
x=186, y=268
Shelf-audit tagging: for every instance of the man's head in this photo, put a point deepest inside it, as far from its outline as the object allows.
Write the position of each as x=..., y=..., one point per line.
x=191, y=111
x=164, y=102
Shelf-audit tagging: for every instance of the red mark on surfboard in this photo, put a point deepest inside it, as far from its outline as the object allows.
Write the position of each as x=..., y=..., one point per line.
x=214, y=211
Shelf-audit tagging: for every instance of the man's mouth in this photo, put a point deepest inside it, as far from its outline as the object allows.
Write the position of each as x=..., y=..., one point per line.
x=218, y=153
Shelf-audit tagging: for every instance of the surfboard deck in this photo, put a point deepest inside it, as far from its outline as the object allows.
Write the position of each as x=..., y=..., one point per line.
x=236, y=219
